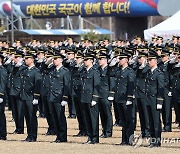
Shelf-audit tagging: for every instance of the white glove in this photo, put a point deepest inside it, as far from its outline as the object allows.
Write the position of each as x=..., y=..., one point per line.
x=63, y=103
x=1, y=100
x=110, y=98
x=35, y=102
x=93, y=103
x=170, y=94
x=159, y=106
x=128, y=103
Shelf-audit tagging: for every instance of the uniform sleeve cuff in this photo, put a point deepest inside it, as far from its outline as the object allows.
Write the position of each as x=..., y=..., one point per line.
x=65, y=98
x=95, y=98
x=36, y=96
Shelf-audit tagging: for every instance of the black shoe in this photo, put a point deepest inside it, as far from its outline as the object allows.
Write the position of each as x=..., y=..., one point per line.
x=154, y=145
x=116, y=124
x=41, y=116
x=58, y=141
x=27, y=139
x=107, y=135
x=30, y=139
x=3, y=138
x=123, y=143
x=102, y=135
x=72, y=116
x=15, y=132
x=18, y=132
x=166, y=130
x=88, y=142
x=80, y=134
x=94, y=142
x=12, y=120
x=51, y=132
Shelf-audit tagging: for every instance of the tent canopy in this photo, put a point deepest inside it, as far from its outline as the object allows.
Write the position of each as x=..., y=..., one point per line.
x=166, y=29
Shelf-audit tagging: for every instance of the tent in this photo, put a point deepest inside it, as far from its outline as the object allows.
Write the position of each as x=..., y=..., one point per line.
x=166, y=29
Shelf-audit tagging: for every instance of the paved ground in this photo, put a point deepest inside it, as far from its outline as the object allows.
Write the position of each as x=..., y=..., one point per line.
x=15, y=143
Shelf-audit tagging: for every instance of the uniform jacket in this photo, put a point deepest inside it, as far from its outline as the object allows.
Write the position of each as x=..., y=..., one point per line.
x=59, y=82
x=31, y=81
x=90, y=85
x=125, y=85
x=15, y=80
x=3, y=81
x=155, y=86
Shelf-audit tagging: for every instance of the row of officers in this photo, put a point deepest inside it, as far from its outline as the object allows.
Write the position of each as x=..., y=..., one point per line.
x=88, y=83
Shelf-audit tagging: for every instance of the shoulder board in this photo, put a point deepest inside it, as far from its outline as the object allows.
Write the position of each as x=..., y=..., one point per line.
x=129, y=68
x=36, y=68
x=2, y=67
x=64, y=68
x=159, y=71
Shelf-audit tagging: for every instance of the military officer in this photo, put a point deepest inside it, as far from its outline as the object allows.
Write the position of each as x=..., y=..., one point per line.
x=108, y=46
x=165, y=67
x=176, y=88
x=9, y=64
x=59, y=80
x=141, y=73
x=31, y=80
x=15, y=90
x=104, y=89
x=76, y=85
x=112, y=78
x=154, y=97
x=125, y=82
x=69, y=63
x=45, y=85
x=3, y=81
x=40, y=65
x=89, y=98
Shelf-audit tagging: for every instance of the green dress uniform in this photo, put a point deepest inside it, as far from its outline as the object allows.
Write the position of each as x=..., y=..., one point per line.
x=140, y=95
x=9, y=68
x=58, y=91
x=125, y=81
x=45, y=86
x=76, y=85
x=103, y=102
x=167, y=107
x=176, y=91
x=69, y=64
x=40, y=65
x=154, y=96
x=3, y=81
x=31, y=80
x=17, y=103
x=112, y=80
x=89, y=93
x=124, y=96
